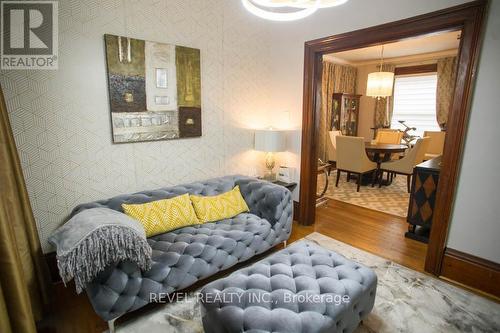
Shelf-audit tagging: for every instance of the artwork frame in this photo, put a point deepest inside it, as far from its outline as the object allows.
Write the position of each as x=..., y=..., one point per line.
x=153, y=87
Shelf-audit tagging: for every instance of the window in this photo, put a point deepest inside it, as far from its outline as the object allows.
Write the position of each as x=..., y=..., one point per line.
x=415, y=102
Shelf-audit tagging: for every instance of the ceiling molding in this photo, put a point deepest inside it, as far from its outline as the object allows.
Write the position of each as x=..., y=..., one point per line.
x=396, y=60
x=412, y=58
x=336, y=60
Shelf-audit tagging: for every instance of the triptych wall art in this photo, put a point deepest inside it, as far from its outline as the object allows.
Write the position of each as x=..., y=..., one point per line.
x=154, y=90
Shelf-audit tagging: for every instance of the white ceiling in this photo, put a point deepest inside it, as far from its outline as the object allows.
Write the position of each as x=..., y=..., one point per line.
x=415, y=46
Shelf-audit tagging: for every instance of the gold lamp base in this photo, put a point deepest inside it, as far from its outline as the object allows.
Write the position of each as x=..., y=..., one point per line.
x=270, y=164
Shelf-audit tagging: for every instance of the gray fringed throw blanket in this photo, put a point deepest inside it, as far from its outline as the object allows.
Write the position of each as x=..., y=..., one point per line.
x=96, y=238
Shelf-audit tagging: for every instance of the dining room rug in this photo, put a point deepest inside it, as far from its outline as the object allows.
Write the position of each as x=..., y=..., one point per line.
x=406, y=301
x=392, y=199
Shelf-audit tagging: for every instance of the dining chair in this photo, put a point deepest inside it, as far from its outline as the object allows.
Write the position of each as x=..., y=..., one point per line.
x=332, y=145
x=352, y=158
x=436, y=144
x=389, y=136
x=405, y=165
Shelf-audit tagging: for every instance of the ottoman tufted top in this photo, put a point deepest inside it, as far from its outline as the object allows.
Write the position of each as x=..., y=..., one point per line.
x=303, y=288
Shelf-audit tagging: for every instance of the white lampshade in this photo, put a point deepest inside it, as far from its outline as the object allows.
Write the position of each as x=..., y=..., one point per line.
x=380, y=84
x=270, y=141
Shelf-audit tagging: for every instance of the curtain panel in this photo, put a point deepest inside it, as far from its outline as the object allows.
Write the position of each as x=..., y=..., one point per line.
x=335, y=79
x=446, y=76
x=24, y=278
x=384, y=105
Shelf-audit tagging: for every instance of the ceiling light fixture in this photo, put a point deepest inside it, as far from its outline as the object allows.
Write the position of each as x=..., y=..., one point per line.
x=380, y=83
x=287, y=10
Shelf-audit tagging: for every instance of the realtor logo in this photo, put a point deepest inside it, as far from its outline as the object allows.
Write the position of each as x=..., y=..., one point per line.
x=29, y=35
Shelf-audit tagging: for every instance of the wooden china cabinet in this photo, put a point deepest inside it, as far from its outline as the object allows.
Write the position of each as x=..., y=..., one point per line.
x=345, y=113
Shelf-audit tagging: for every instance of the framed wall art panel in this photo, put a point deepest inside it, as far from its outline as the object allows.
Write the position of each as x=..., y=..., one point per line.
x=154, y=90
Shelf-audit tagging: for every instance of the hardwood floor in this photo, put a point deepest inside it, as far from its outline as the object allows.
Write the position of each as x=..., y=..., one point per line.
x=375, y=232
x=71, y=313
x=369, y=230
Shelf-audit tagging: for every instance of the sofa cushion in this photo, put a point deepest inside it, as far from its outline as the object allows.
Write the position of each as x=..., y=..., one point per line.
x=218, y=207
x=160, y=216
x=218, y=244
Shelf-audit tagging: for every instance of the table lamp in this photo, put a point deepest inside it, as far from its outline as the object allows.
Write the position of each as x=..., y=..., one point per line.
x=270, y=141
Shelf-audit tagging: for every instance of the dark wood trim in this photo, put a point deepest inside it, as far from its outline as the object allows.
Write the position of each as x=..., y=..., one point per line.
x=455, y=137
x=310, y=127
x=51, y=260
x=467, y=17
x=473, y=259
x=296, y=211
x=420, y=69
x=472, y=271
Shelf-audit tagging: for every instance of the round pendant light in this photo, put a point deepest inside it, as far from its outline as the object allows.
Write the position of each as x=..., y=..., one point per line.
x=287, y=10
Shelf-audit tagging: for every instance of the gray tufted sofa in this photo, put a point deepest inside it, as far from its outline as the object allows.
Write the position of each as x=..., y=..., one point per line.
x=184, y=256
x=298, y=289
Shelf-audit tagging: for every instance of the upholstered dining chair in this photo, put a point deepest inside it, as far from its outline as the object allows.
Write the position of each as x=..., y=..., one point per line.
x=436, y=144
x=332, y=145
x=389, y=136
x=405, y=165
x=352, y=158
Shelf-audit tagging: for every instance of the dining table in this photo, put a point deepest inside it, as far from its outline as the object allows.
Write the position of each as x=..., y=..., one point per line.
x=382, y=152
x=379, y=153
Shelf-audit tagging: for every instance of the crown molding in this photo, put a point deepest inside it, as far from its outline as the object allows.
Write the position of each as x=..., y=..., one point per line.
x=396, y=60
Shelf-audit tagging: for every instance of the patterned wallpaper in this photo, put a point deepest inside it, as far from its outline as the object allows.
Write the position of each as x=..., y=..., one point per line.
x=61, y=120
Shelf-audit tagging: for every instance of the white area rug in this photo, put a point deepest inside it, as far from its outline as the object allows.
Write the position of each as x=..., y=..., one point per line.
x=406, y=301
x=392, y=199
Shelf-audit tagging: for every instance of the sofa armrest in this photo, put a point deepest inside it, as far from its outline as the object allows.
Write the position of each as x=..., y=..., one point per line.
x=269, y=201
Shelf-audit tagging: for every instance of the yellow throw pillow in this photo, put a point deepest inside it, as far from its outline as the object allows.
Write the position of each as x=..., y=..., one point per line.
x=158, y=217
x=219, y=207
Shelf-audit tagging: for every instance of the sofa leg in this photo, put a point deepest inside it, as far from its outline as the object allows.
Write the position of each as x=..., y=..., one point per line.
x=284, y=243
x=111, y=325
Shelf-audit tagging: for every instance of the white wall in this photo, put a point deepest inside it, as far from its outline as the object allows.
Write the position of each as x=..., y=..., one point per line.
x=475, y=227
x=61, y=120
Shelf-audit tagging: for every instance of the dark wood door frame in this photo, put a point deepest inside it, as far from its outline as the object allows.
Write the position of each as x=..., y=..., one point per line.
x=467, y=17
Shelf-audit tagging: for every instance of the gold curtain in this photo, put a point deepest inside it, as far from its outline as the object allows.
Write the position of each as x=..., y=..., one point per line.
x=384, y=105
x=24, y=279
x=335, y=79
x=446, y=76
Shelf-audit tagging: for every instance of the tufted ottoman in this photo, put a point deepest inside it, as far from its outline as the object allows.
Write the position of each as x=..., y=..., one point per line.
x=303, y=288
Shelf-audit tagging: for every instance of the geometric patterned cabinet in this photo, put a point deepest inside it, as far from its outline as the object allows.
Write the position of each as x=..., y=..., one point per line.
x=422, y=199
